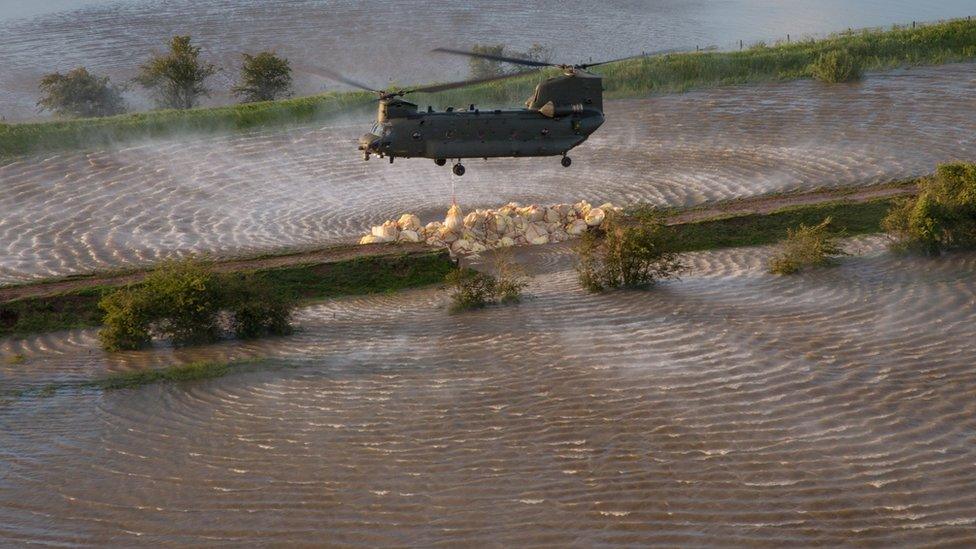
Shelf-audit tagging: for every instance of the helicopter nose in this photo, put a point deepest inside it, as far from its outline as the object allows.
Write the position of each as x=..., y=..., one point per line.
x=369, y=142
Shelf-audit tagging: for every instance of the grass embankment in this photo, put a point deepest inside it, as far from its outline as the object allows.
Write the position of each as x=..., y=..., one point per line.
x=851, y=218
x=194, y=371
x=872, y=50
x=366, y=275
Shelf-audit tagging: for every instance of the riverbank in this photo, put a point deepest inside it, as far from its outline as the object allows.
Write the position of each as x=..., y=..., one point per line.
x=938, y=43
x=355, y=270
x=307, y=276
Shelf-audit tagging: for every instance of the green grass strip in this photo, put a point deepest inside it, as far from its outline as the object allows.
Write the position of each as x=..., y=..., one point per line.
x=360, y=276
x=181, y=373
x=758, y=229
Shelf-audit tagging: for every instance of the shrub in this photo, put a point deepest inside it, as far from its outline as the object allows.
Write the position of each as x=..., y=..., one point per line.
x=509, y=277
x=941, y=217
x=627, y=253
x=470, y=289
x=807, y=246
x=183, y=301
x=474, y=289
x=176, y=78
x=128, y=319
x=185, y=298
x=80, y=93
x=836, y=66
x=256, y=309
x=264, y=77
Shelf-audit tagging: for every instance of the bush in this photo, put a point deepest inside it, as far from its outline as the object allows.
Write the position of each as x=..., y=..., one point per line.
x=807, y=246
x=836, y=66
x=941, y=217
x=471, y=289
x=183, y=301
x=627, y=253
x=509, y=277
x=185, y=297
x=256, y=309
x=264, y=77
x=474, y=289
x=80, y=93
x=128, y=319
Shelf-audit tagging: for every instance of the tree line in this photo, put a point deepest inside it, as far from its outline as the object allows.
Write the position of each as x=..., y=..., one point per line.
x=176, y=78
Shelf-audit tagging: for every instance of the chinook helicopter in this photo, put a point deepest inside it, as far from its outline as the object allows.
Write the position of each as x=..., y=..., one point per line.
x=562, y=113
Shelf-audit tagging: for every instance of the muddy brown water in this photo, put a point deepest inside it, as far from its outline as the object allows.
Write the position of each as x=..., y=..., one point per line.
x=730, y=407
x=68, y=213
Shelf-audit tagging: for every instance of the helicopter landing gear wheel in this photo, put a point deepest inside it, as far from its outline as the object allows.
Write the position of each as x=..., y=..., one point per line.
x=566, y=161
x=440, y=161
x=458, y=170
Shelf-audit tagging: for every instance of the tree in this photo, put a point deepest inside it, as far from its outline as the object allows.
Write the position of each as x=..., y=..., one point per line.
x=80, y=93
x=486, y=68
x=538, y=52
x=264, y=77
x=176, y=78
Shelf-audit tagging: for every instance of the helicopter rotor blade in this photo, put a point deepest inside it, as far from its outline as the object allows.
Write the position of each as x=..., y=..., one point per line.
x=453, y=85
x=332, y=75
x=645, y=54
x=490, y=57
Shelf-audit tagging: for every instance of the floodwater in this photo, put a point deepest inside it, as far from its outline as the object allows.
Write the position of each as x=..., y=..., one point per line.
x=382, y=40
x=728, y=407
x=68, y=213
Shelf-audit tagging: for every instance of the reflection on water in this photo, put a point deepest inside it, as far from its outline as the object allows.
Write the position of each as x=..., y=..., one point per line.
x=74, y=212
x=731, y=406
x=379, y=41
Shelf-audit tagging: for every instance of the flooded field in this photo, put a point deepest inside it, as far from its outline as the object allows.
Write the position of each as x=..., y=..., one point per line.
x=730, y=407
x=378, y=41
x=77, y=212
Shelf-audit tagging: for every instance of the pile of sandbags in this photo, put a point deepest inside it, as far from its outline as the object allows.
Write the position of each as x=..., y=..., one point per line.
x=480, y=230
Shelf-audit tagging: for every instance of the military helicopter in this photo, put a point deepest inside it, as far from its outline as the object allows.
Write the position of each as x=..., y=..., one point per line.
x=562, y=113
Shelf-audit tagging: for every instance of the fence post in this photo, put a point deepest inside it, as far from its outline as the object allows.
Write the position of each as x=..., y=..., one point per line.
x=787, y=38
x=740, y=44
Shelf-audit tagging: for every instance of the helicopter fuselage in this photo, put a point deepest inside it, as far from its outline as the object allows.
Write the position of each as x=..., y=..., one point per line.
x=562, y=113
x=474, y=133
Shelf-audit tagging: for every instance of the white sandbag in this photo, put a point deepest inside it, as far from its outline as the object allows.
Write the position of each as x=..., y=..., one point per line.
x=536, y=233
x=595, y=217
x=409, y=236
x=461, y=246
x=408, y=222
x=478, y=247
x=533, y=213
x=582, y=208
x=370, y=239
x=387, y=231
x=447, y=235
x=454, y=220
x=506, y=242
x=576, y=228
x=552, y=215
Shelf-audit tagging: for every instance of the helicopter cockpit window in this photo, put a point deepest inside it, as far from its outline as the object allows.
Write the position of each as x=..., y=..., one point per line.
x=378, y=129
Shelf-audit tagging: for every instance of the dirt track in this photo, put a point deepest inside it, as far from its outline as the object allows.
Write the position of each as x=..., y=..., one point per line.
x=334, y=254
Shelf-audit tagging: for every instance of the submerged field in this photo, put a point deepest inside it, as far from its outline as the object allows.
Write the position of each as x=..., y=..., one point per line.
x=938, y=43
x=730, y=405
x=727, y=407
